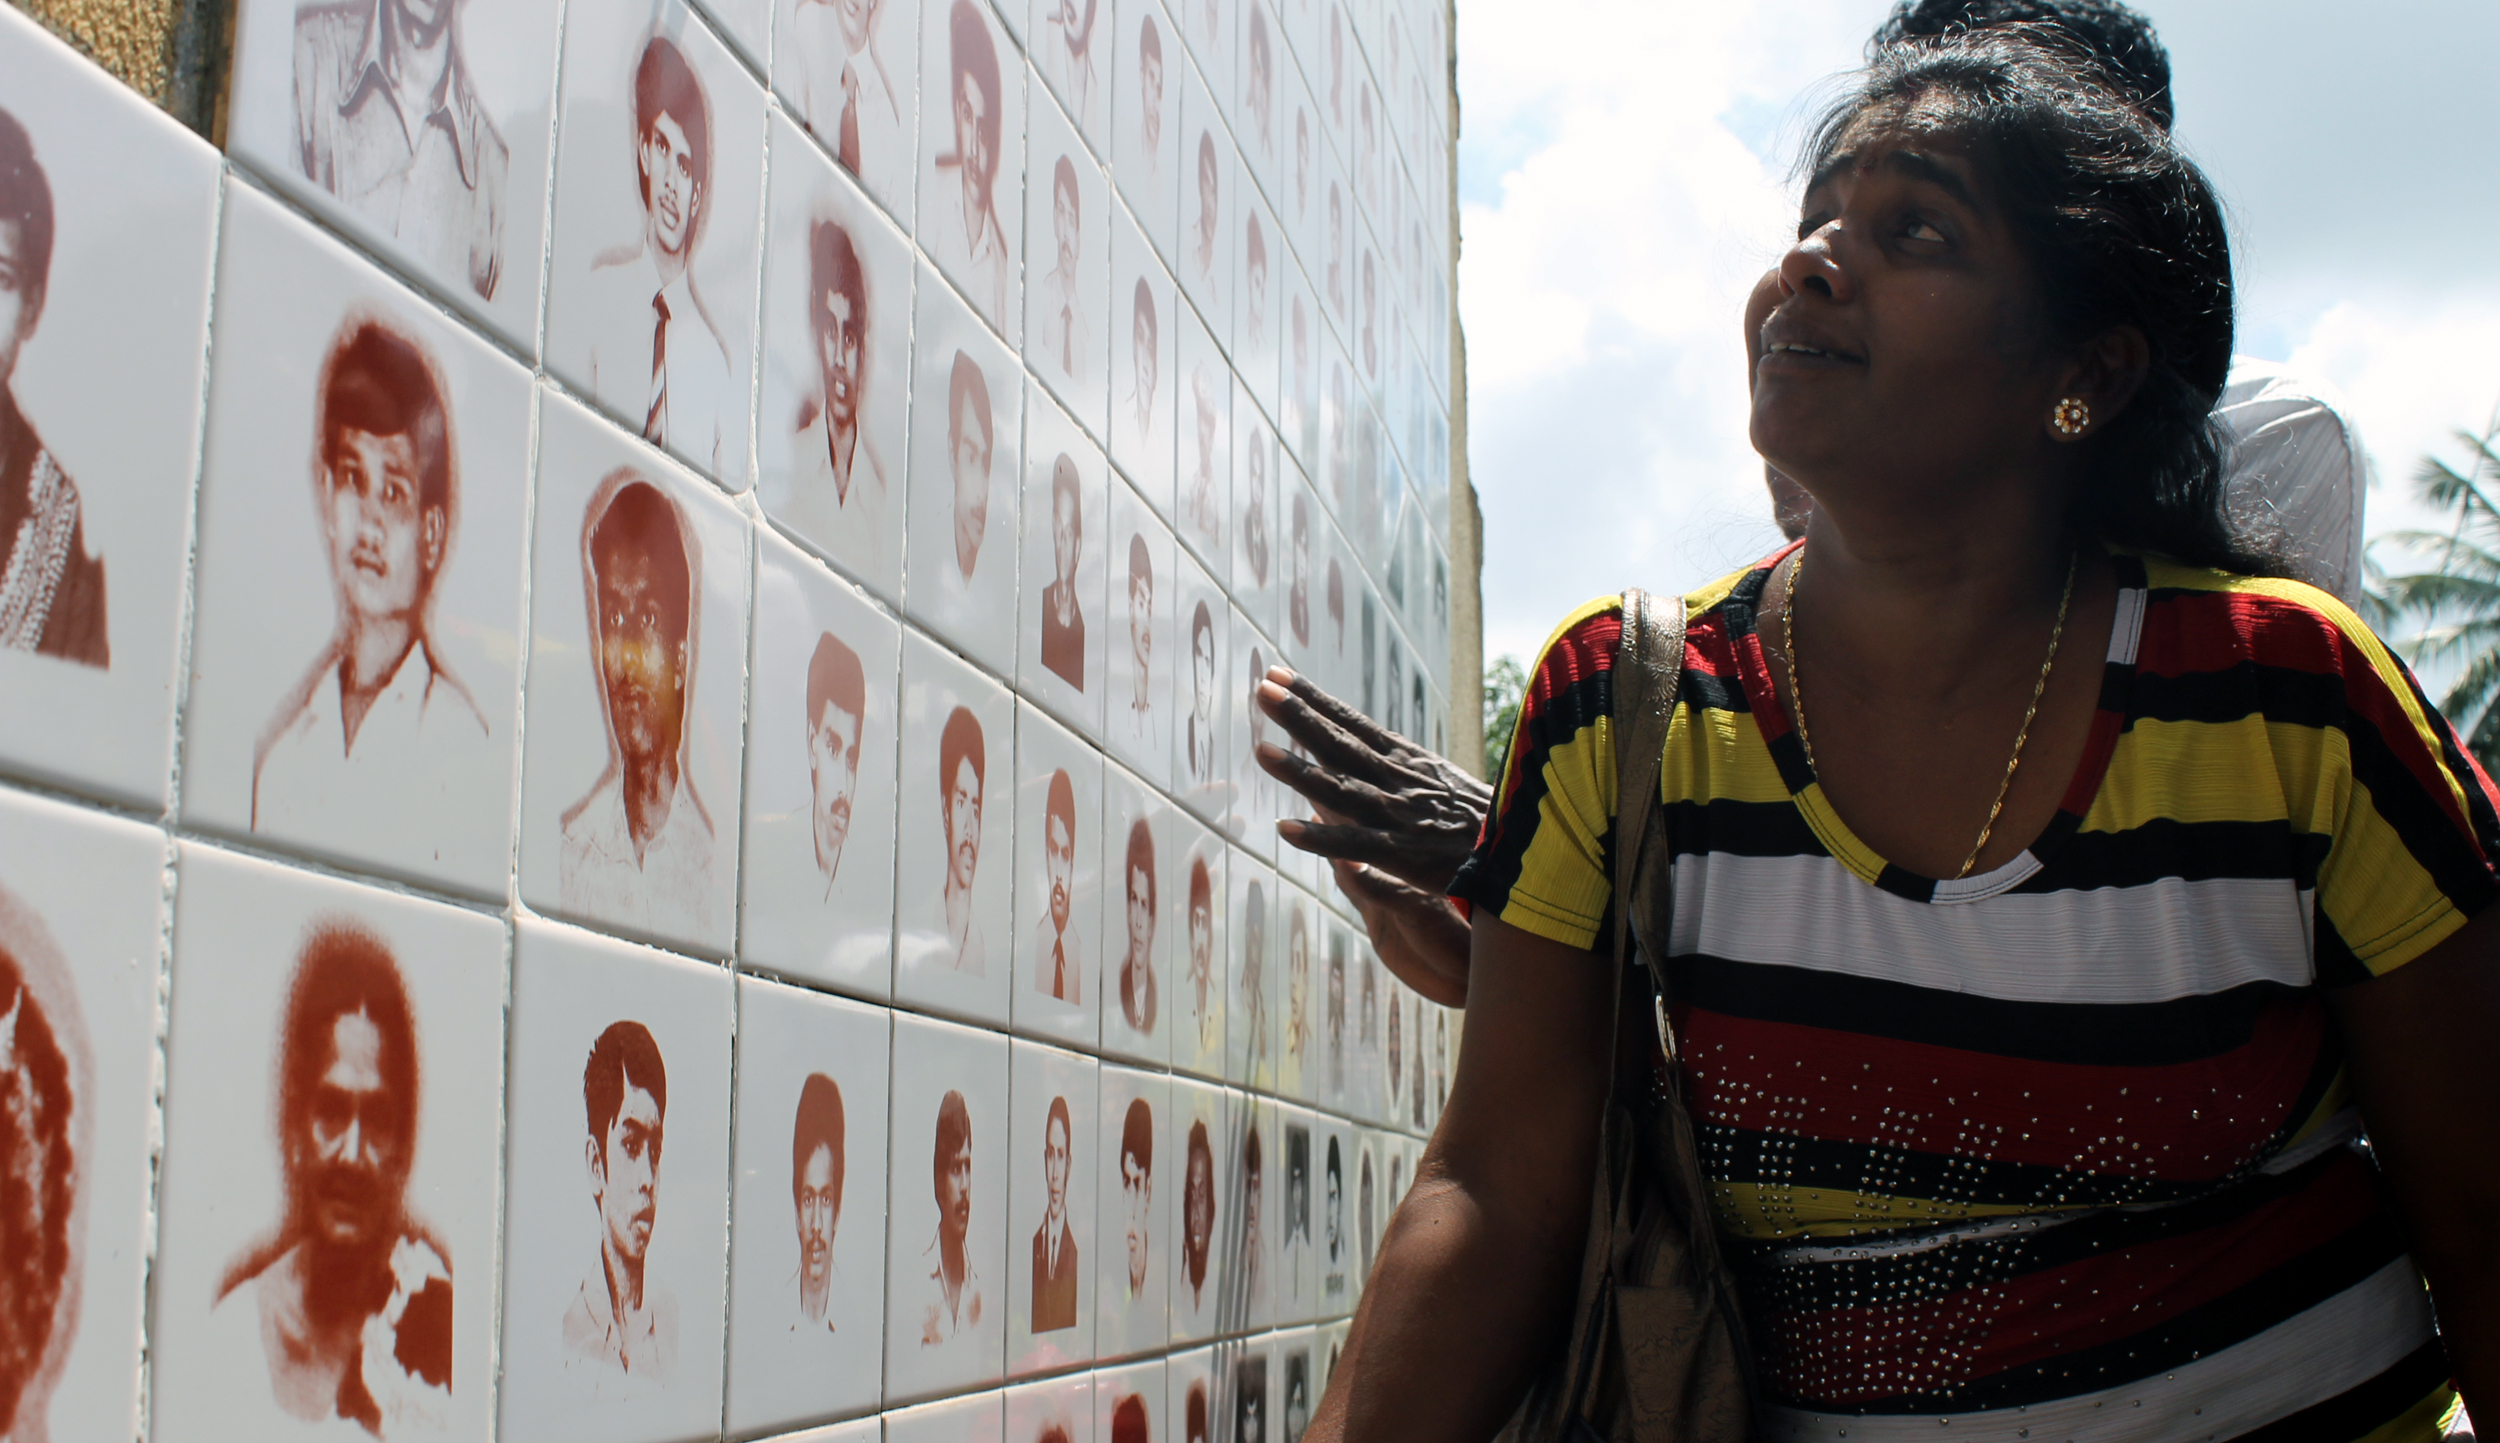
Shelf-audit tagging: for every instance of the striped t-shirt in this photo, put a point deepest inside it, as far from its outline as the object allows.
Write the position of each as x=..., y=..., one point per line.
x=2061, y=1151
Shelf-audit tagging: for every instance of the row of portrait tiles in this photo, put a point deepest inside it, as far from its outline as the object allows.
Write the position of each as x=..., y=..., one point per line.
x=418, y=442
x=1322, y=278
x=344, y=1162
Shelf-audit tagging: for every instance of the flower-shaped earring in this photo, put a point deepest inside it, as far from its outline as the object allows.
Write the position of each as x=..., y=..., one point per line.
x=2071, y=416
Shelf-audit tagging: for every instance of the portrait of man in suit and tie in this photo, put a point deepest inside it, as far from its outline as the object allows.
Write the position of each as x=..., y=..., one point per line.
x=1058, y=953
x=1054, y=1246
x=661, y=358
x=387, y=120
x=840, y=86
x=1067, y=336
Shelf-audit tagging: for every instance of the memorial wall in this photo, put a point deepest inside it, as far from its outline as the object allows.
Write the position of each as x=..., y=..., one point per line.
x=626, y=792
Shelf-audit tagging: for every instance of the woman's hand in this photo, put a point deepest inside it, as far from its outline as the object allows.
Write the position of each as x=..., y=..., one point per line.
x=2420, y=1044
x=1394, y=819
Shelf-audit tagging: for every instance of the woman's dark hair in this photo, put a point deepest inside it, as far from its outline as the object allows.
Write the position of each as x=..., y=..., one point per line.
x=2118, y=39
x=2123, y=229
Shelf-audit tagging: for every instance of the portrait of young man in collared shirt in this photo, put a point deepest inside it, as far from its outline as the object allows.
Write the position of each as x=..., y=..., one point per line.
x=834, y=450
x=1137, y=972
x=348, y=1260
x=639, y=849
x=1067, y=335
x=1063, y=611
x=963, y=766
x=386, y=119
x=659, y=357
x=974, y=102
x=837, y=715
x=379, y=698
x=620, y=1321
x=52, y=591
x=954, y=1287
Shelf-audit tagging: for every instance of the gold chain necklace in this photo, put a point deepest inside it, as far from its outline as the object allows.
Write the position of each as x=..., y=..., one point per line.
x=1797, y=696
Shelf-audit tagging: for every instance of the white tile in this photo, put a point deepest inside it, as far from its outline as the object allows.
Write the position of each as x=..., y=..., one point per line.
x=816, y=43
x=1202, y=972
x=1066, y=627
x=1256, y=338
x=659, y=210
x=1202, y=1208
x=1258, y=539
x=1250, y=997
x=859, y=1430
x=104, y=381
x=807, y=1198
x=1258, y=1228
x=1297, y=379
x=823, y=728
x=649, y=706
x=1340, y=1168
x=1058, y=890
x=833, y=393
x=618, y=1141
x=1052, y=1169
x=1250, y=819
x=1338, y=1061
x=1255, y=108
x=327, y=1041
x=1067, y=330
x=81, y=916
x=946, y=1241
x=955, y=946
x=1139, y=1147
x=354, y=678
x=971, y=206
x=1145, y=902
x=1300, y=1065
x=1298, y=1249
x=1071, y=43
x=1208, y=28
x=1250, y=1387
x=1202, y=634
x=1129, y=1403
x=1295, y=1384
x=1145, y=121
x=1203, y=466
x=1145, y=327
x=966, y=480
x=1370, y=1186
x=467, y=215
x=1209, y=175
x=1193, y=1392
x=1144, y=591
x=1060, y=1410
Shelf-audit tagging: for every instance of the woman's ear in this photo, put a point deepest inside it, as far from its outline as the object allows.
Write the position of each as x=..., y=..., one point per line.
x=2100, y=382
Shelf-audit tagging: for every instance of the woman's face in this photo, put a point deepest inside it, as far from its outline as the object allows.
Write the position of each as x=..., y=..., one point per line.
x=1907, y=348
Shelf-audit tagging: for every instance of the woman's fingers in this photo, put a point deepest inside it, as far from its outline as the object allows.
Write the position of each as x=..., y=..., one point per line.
x=1391, y=850
x=1331, y=743
x=1418, y=934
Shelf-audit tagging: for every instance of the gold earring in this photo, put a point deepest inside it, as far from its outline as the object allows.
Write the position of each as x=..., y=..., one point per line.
x=2071, y=416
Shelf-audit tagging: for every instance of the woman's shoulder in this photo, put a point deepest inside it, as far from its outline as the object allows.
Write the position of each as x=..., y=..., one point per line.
x=1585, y=643
x=2270, y=620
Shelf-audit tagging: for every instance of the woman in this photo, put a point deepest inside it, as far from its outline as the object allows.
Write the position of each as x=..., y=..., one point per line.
x=2049, y=891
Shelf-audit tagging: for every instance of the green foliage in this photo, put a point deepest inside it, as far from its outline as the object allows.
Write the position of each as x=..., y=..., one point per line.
x=1505, y=682
x=2451, y=609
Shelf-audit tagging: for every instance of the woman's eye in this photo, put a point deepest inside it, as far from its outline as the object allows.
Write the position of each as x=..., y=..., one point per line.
x=1919, y=230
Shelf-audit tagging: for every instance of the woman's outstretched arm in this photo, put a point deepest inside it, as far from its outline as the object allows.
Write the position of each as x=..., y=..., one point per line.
x=1478, y=1269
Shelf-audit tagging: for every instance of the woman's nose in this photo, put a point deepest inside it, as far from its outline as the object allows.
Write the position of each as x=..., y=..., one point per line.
x=1813, y=265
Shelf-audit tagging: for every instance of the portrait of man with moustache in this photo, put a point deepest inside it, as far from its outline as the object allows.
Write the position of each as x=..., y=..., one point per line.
x=638, y=849
x=1066, y=336
x=963, y=765
x=379, y=700
x=1197, y=1213
x=1070, y=56
x=837, y=714
x=1145, y=358
x=1202, y=954
x=1137, y=1190
x=834, y=452
x=842, y=90
x=620, y=1321
x=955, y=1289
x=971, y=437
x=1141, y=638
x=351, y=1298
x=973, y=101
x=816, y=1170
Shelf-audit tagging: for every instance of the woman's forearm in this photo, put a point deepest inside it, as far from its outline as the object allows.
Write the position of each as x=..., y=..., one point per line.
x=1454, y=1320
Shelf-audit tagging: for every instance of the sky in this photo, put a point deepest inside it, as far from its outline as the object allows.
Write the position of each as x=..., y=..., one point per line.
x=1624, y=178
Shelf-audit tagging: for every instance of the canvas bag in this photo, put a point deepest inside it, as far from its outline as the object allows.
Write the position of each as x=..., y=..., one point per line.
x=1656, y=1352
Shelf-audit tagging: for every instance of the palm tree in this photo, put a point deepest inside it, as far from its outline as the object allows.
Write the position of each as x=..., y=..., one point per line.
x=2453, y=607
